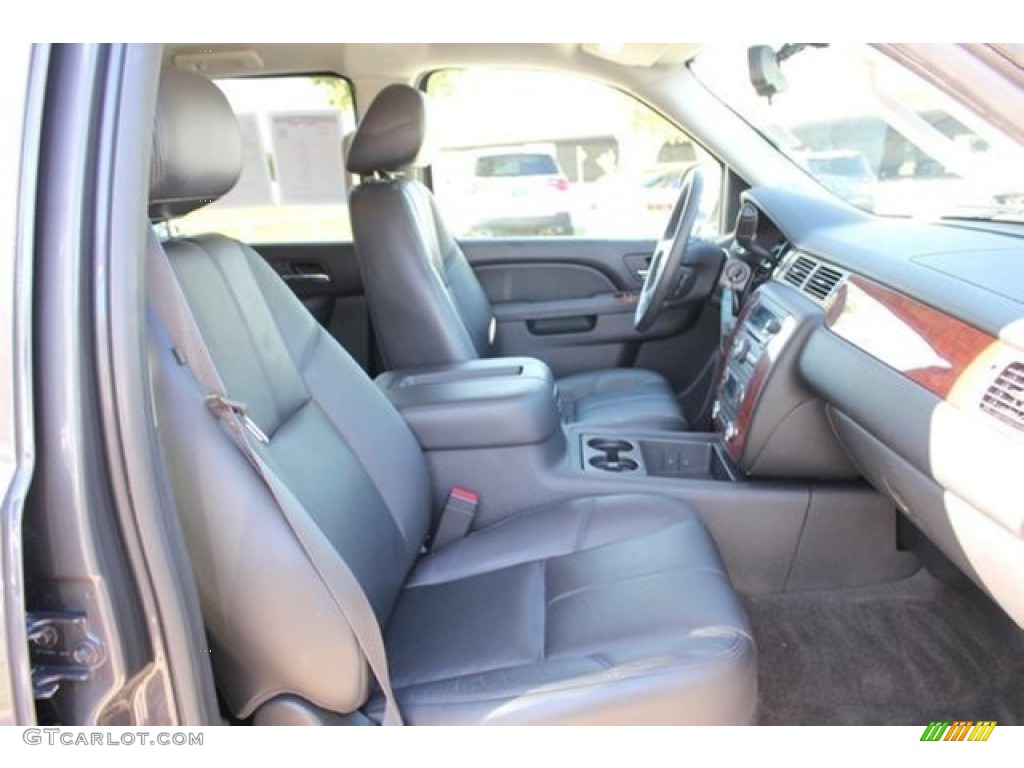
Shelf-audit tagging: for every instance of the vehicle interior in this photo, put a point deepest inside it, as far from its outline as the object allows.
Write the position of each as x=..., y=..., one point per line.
x=694, y=437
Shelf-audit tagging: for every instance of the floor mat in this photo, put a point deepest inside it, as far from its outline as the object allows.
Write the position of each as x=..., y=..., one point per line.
x=903, y=653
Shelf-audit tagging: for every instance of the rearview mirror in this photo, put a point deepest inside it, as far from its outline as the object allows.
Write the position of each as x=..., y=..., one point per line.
x=765, y=74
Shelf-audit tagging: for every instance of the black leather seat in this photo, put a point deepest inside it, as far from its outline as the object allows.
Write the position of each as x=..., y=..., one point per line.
x=428, y=307
x=605, y=609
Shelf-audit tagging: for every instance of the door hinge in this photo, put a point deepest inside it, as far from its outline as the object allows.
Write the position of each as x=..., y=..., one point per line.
x=61, y=649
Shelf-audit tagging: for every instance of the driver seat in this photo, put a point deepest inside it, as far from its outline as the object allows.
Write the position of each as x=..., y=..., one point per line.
x=427, y=306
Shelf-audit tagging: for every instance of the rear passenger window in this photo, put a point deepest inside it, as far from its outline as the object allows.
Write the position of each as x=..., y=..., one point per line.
x=540, y=154
x=293, y=186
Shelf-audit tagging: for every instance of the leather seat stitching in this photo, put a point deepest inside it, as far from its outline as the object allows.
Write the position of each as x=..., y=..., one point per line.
x=548, y=556
x=635, y=577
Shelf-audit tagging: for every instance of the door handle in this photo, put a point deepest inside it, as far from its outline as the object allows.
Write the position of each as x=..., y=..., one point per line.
x=307, y=278
x=638, y=265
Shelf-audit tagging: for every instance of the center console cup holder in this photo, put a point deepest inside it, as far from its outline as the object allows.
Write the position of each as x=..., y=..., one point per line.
x=610, y=455
x=613, y=465
x=677, y=456
x=610, y=446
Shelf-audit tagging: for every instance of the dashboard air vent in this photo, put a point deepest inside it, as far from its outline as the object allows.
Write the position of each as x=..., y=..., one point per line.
x=799, y=271
x=823, y=282
x=1005, y=398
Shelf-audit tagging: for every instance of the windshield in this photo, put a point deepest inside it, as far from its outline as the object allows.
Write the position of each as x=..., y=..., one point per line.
x=872, y=132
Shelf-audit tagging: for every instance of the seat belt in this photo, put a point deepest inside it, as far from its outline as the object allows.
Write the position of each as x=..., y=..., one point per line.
x=456, y=518
x=164, y=291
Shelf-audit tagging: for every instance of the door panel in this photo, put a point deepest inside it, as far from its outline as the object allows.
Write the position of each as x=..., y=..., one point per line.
x=325, y=276
x=573, y=259
x=539, y=281
x=570, y=302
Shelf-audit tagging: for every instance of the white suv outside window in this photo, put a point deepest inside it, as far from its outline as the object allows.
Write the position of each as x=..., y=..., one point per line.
x=520, y=192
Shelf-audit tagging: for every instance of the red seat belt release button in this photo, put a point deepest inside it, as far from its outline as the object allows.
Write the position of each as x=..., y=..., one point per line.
x=458, y=493
x=456, y=517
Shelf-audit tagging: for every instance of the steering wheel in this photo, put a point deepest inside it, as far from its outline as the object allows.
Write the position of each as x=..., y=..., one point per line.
x=669, y=253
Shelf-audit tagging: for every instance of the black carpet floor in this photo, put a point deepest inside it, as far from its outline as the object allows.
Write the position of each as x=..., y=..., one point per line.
x=903, y=653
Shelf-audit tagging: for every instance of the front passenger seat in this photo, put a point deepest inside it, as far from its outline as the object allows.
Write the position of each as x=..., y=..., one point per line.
x=427, y=306
x=597, y=610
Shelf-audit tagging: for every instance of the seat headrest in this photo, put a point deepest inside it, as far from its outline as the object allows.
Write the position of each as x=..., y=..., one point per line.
x=392, y=134
x=197, y=148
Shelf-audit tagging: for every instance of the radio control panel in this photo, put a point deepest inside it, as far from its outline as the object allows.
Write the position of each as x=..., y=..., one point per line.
x=760, y=334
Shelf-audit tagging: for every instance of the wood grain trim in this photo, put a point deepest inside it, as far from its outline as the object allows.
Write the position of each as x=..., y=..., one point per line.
x=736, y=442
x=925, y=344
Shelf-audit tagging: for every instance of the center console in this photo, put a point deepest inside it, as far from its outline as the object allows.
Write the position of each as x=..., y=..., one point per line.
x=670, y=455
x=490, y=403
x=771, y=425
x=493, y=426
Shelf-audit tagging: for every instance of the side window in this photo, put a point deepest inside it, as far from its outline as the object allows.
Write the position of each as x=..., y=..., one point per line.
x=293, y=186
x=537, y=154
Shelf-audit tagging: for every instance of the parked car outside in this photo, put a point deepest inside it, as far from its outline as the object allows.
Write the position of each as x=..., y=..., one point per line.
x=520, y=192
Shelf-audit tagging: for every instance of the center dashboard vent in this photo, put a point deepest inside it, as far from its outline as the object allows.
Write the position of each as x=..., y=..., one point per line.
x=823, y=282
x=1004, y=399
x=813, y=278
x=799, y=271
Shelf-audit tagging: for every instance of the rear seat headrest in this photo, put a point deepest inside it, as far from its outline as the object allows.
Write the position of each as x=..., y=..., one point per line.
x=197, y=149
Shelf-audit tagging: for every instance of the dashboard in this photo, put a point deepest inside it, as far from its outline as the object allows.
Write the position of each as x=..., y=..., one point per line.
x=892, y=350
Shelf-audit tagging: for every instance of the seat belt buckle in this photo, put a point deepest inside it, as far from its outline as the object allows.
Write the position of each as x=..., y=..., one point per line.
x=456, y=517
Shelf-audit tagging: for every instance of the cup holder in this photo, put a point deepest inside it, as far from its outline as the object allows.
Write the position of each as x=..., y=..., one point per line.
x=611, y=455
x=610, y=446
x=613, y=465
